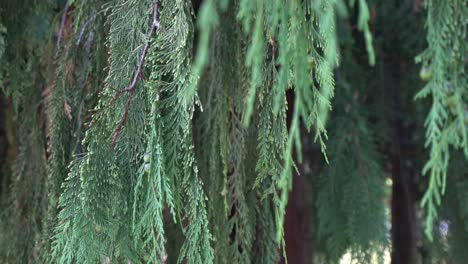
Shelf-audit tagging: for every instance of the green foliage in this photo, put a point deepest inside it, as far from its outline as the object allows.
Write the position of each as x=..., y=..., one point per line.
x=445, y=59
x=107, y=216
x=22, y=209
x=458, y=217
x=239, y=203
x=213, y=124
x=303, y=43
x=111, y=202
x=75, y=79
x=208, y=134
x=451, y=228
x=95, y=209
x=171, y=75
x=25, y=203
x=349, y=219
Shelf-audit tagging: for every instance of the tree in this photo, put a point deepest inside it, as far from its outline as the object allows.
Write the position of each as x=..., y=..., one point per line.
x=157, y=131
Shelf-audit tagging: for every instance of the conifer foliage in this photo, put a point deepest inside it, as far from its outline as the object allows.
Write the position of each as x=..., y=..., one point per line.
x=170, y=131
x=444, y=67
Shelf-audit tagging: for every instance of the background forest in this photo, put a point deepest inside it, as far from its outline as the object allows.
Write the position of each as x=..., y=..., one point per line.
x=233, y=131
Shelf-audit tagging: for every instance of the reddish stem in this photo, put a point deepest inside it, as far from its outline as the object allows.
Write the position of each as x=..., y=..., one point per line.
x=138, y=73
x=62, y=24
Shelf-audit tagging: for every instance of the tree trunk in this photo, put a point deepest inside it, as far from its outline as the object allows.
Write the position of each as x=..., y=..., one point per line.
x=403, y=217
x=298, y=226
x=298, y=223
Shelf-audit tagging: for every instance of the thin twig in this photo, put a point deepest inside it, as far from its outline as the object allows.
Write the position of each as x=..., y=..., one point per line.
x=62, y=24
x=273, y=49
x=83, y=29
x=138, y=73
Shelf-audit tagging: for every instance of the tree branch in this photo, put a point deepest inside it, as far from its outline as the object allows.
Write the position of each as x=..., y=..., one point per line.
x=138, y=73
x=89, y=21
x=62, y=24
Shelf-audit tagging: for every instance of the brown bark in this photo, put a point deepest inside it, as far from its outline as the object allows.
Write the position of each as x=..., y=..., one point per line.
x=298, y=224
x=403, y=211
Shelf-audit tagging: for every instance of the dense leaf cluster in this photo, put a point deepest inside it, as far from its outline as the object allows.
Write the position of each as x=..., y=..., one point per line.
x=150, y=132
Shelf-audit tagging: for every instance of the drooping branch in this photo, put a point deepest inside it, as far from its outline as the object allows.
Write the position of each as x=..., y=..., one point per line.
x=62, y=24
x=138, y=74
x=89, y=22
